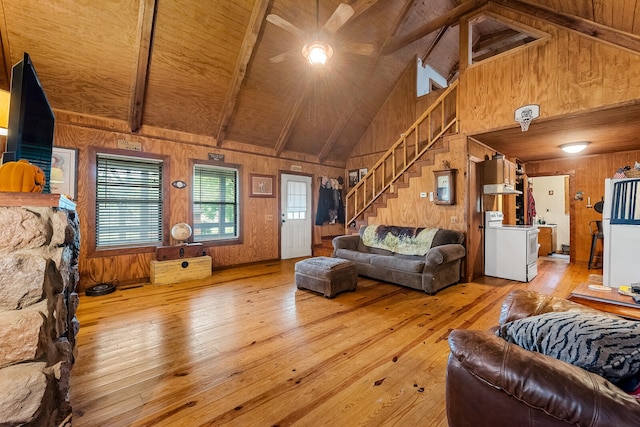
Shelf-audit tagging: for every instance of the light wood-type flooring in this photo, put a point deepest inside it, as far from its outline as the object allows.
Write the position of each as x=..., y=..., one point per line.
x=245, y=348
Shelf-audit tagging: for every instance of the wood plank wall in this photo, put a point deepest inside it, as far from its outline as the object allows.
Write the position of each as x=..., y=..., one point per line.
x=590, y=173
x=409, y=209
x=261, y=236
x=396, y=115
x=566, y=73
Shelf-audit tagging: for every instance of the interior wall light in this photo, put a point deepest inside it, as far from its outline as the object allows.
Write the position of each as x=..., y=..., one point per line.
x=574, y=147
x=5, y=97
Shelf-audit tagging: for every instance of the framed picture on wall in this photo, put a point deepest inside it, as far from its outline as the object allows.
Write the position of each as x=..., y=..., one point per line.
x=64, y=166
x=261, y=185
x=353, y=177
x=362, y=172
x=445, y=187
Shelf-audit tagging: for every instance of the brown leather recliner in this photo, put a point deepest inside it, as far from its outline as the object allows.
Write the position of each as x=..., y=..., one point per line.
x=494, y=383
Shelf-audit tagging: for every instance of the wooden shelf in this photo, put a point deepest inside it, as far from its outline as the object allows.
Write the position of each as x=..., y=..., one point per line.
x=36, y=199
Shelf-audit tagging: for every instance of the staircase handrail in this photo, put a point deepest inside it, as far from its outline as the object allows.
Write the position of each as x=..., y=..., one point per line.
x=401, y=144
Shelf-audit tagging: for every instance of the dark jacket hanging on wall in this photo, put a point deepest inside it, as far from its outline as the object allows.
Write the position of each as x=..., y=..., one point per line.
x=330, y=204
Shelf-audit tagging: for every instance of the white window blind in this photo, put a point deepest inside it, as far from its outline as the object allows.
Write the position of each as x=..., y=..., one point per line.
x=129, y=203
x=215, y=203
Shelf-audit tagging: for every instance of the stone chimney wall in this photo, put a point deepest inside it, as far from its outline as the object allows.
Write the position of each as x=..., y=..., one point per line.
x=39, y=249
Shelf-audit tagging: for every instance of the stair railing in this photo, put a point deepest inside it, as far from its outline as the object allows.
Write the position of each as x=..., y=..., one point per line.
x=412, y=144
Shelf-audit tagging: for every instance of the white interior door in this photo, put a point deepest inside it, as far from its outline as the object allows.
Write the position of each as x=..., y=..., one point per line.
x=296, y=216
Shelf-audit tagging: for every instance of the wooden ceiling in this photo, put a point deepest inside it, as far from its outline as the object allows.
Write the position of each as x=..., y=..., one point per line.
x=203, y=68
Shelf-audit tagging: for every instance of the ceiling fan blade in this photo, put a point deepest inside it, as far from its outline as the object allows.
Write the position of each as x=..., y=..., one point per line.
x=286, y=25
x=341, y=15
x=285, y=55
x=364, y=49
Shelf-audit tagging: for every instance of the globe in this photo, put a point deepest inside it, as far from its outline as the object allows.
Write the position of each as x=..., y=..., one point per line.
x=181, y=231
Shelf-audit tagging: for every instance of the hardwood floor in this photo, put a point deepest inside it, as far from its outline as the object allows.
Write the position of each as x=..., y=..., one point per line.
x=245, y=348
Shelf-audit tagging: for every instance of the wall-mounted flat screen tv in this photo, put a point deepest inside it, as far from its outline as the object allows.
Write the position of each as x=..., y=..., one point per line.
x=31, y=120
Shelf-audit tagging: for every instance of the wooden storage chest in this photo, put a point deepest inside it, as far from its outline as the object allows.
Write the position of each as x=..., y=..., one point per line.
x=179, y=270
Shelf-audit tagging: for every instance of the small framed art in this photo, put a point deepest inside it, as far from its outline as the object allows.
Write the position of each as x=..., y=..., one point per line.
x=261, y=185
x=445, y=187
x=64, y=166
x=353, y=177
x=362, y=172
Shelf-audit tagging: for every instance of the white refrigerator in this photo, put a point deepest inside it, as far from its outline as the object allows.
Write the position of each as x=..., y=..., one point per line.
x=621, y=228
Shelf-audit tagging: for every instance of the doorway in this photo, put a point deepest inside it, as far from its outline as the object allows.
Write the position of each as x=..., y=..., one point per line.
x=553, y=210
x=295, y=221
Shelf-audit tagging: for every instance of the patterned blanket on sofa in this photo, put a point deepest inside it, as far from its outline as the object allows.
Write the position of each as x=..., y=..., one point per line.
x=401, y=240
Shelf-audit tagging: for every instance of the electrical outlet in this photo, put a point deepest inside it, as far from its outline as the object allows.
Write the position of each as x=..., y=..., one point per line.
x=454, y=220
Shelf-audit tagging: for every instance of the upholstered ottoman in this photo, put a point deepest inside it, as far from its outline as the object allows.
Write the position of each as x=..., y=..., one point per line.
x=329, y=276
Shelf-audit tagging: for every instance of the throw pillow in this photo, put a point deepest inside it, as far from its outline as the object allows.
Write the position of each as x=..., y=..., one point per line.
x=607, y=346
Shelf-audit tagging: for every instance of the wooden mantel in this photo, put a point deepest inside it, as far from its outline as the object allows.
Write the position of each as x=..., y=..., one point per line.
x=35, y=199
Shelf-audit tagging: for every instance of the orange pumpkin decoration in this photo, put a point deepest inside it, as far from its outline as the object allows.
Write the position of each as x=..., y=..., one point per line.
x=21, y=177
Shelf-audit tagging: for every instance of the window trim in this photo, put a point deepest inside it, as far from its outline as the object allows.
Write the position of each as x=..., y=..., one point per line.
x=92, y=250
x=222, y=242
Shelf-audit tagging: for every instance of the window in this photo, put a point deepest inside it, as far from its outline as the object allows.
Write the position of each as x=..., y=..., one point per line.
x=215, y=203
x=296, y=200
x=491, y=35
x=129, y=205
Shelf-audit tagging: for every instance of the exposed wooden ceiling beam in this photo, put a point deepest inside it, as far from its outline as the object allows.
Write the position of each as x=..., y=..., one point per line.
x=487, y=40
x=450, y=18
x=498, y=48
x=434, y=43
x=344, y=118
x=583, y=26
x=246, y=52
x=361, y=6
x=291, y=118
x=146, y=23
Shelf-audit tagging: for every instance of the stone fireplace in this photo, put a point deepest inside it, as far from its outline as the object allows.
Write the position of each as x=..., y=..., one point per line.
x=39, y=246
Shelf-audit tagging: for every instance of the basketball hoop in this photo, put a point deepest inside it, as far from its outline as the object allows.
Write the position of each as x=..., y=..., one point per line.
x=526, y=114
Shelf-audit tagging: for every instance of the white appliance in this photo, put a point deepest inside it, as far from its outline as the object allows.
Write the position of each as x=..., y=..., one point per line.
x=621, y=228
x=510, y=251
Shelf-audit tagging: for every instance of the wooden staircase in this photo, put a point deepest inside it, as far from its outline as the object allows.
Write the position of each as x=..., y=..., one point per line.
x=404, y=159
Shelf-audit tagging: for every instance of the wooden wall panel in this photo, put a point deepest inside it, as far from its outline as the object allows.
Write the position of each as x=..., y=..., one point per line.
x=590, y=173
x=567, y=73
x=260, y=236
x=395, y=116
x=409, y=209
x=425, y=101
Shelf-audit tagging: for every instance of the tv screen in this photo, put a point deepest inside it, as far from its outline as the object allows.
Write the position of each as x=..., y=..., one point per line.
x=31, y=120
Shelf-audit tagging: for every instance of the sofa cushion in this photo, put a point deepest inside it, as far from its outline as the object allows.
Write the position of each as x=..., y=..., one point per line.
x=447, y=237
x=403, y=240
x=415, y=265
x=607, y=346
x=352, y=255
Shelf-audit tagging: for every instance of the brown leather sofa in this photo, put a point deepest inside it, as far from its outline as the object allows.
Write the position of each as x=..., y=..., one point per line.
x=491, y=382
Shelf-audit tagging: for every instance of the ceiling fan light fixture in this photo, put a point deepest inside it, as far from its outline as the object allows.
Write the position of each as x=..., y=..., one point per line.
x=574, y=147
x=317, y=52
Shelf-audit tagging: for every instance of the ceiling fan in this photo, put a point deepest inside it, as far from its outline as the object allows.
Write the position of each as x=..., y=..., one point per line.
x=316, y=49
